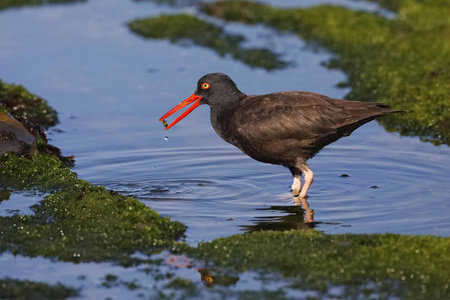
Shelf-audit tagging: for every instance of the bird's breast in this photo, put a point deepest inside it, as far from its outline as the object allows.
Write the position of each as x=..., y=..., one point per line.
x=221, y=122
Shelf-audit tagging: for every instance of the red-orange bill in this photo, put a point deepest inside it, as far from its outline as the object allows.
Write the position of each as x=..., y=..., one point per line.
x=193, y=98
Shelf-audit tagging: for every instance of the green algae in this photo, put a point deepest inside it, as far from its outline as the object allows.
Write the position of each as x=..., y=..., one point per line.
x=30, y=290
x=411, y=267
x=4, y=4
x=79, y=221
x=43, y=173
x=34, y=113
x=187, y=27
x=18, y=101
x=403, y=62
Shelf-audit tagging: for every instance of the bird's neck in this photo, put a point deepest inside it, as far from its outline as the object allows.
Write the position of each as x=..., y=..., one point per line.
x=221, y=116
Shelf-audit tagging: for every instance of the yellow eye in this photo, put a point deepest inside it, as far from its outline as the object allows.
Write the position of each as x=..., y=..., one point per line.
x=205, y=85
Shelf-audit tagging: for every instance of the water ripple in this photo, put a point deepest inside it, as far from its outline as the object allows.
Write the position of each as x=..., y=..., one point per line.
x=218, y=191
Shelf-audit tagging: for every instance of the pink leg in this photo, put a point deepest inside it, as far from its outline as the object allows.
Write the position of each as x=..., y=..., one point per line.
x=309, y=177
x=296, y=185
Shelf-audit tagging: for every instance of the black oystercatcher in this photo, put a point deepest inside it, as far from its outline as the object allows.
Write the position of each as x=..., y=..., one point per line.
x=284, y=128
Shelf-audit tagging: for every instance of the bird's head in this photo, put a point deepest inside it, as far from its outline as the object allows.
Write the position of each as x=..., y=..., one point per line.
x=214, y=89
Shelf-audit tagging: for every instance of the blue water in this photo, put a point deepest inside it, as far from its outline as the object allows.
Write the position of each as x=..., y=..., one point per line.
x=110, y=86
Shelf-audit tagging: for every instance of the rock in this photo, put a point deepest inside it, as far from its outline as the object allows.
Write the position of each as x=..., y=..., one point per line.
x=14, y=137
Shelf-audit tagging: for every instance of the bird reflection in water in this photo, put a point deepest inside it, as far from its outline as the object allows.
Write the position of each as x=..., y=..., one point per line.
x=299, y=216
x=309, y=213
x=211, y=277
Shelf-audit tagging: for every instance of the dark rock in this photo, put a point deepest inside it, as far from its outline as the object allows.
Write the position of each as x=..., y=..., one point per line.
x=15, y=137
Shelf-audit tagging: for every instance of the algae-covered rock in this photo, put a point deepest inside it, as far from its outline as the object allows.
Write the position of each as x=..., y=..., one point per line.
x=30, y=290
x=79, y=221
x=187, y=27
x=403, y=62
x=43, y=173
x=18, y=101
x=22, y=133
x=387, y=265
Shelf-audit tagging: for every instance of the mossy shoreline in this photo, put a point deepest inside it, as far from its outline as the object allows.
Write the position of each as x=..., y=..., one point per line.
x=29, y=290
x=77, y=221
x=409, y=267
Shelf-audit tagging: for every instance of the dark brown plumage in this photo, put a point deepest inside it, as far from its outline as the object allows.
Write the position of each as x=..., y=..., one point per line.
x=284, y=128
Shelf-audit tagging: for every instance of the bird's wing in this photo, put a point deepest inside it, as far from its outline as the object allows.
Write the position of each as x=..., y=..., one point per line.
x=288, y=115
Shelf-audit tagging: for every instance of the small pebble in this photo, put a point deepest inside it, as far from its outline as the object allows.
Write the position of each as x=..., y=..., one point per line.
x=165, y=124
x=374, y=186
x=166, y=138
x=344, y=175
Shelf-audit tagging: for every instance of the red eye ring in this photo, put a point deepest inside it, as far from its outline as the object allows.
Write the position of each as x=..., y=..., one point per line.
x=209, y=279
x=205, y=85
